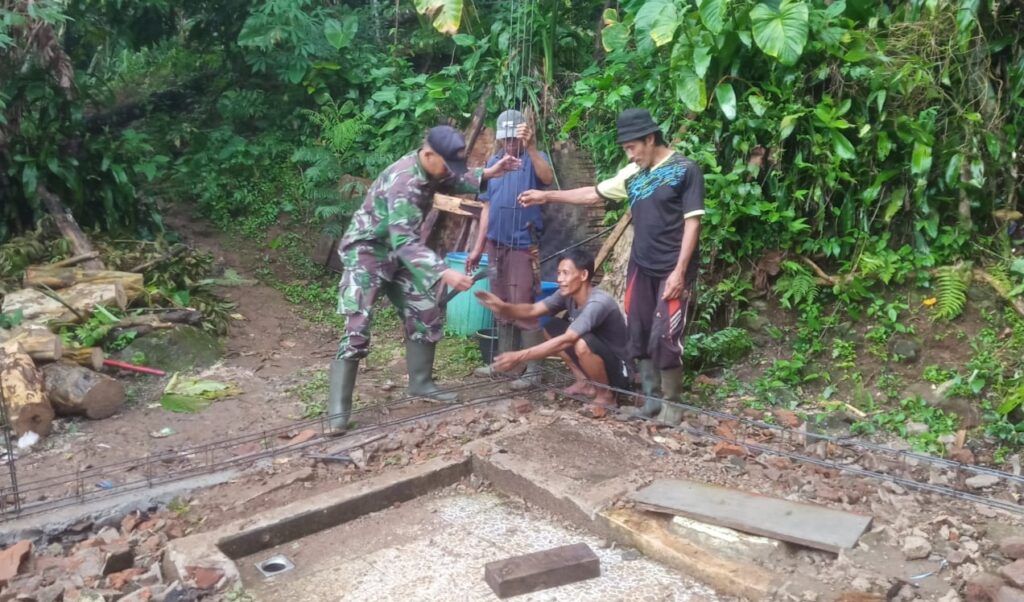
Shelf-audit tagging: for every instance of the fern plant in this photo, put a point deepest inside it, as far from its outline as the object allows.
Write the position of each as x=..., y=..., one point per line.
x=796, y=286
x=951, y=284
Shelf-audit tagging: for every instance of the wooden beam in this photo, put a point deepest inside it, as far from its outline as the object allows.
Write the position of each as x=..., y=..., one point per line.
x=69, y=227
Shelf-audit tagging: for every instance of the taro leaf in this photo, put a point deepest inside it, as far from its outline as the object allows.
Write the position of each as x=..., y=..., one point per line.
x=340, y=34
x=712, y=14
x=781, y=32
x=691, y=91
x=184, y=404
x=659, y=19
x=614, y=37
x=446, y=15
x=726, y=100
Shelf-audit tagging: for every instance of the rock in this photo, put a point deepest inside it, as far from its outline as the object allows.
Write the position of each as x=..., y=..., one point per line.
x=175, y=592
x=957, y=557
x=915, y=548
x=521, y=406
x=905, y=348
x=117, y=557
x=1012, y=547
x=894, y=488
x=108, y=535
x=982, y=481
x=90, y=562
x=154, y=576
x=1014, y=573
x=723, y=449
x=950, y=596
x=12, y=558
x=962, y=455
x=144, y=594
x=129, y=522
x=1008, y=594
x=917, y=428
x=177, y=349
x=982, y=587
x=52, y=593
x=787, y=418
x=121, y=578
x=205, y=578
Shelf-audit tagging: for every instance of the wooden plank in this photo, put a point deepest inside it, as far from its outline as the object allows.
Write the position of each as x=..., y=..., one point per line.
x=449, y=204
x=542, y=570
x=805, y=524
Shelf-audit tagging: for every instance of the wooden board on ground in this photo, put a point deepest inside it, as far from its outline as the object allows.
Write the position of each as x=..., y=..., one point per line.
x=805, y=524
x=541, y=570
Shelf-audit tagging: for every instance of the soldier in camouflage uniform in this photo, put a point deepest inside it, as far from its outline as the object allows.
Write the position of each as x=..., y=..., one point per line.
x=381, y=252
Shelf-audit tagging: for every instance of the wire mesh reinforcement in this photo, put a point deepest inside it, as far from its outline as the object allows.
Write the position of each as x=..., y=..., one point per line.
x=114, y=479
x=786, y=440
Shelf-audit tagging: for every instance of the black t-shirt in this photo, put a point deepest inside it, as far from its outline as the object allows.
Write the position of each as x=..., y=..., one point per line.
x=661, y=199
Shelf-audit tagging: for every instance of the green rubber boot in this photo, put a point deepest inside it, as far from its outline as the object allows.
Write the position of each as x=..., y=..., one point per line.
x=672, y=390
x=342, y=382
x=534, y=369
x=419, y=359
x=649, y=384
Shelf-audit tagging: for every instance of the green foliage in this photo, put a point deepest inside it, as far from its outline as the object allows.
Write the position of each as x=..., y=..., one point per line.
x=11, y=319
x=913, y=410
x=797, y=286
x=721, y=348
x=950, y=291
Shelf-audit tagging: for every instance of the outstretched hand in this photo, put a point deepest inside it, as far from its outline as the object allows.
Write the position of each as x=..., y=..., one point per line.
x=506, y=362
x=489, y=300
x=532, y=197
x=506, y=164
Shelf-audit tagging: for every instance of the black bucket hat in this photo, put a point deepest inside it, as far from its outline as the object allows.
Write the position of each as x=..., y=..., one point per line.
x=450, y=144
x=634, y=124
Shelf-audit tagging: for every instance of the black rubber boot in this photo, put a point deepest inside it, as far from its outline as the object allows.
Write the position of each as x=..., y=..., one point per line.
x=650, y=380
x=342, y=381
x=534, y=369
x=419, y=359
x=508, y=340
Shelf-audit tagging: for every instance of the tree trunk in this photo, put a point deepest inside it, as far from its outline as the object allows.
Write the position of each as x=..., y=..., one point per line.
x=90, y=357
x=77, y=391
x=37, y=341
x=68, y=227
x=22, y=387
x=614, y=279
x=58, y=278
x=39, y=308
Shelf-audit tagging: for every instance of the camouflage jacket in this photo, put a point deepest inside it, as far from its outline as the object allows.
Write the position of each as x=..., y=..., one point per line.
x=390, y=217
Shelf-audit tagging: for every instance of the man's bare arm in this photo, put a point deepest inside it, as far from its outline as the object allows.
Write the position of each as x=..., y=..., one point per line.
x=576, y=196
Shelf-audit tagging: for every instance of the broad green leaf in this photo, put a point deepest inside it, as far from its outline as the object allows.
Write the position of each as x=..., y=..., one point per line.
x=896, y=199
x=609, y=16
x=659, y=19
x=691, y=91
x=841, y=146
x=29, y=178
x=712, y=14
x=921, y=159
x=787, y=125
x=726, y=100
x=701, y=60
x=953, y=170
x=758, y=104
x=340, y=34
x=744, y=36
x=614, y=37
x=782, y=32
x=463, y=39
x=884, y=146
x=446, y=15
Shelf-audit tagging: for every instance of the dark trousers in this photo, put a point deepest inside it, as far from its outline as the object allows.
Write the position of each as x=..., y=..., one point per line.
x=616, y=369
x=655, y=326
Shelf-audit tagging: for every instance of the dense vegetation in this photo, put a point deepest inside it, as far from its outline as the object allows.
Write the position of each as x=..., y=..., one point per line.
x=849, y=146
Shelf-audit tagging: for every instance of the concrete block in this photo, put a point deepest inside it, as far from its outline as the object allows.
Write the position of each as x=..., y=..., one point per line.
x=542, y=570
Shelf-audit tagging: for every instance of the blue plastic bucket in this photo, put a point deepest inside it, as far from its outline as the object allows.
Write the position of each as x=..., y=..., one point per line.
x=464, y=315
x=547, y=289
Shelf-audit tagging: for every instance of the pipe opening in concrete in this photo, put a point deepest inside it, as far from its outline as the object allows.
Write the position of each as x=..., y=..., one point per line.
x=274, y=565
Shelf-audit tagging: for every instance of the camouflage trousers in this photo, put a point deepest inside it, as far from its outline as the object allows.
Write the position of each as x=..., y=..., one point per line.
x=368, y=273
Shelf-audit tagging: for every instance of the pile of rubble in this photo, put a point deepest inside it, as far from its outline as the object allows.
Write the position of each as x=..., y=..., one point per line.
x=93, y=563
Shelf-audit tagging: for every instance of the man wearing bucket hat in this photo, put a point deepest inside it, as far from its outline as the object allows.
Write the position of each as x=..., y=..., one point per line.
x=510, y=235
x=381, y=252
x=665, y=191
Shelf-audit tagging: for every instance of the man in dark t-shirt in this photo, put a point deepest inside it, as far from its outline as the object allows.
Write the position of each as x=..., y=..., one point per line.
x=591, y=340
x=665, y=191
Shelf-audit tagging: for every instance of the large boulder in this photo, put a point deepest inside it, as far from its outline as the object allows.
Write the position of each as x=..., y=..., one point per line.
x=178, y=349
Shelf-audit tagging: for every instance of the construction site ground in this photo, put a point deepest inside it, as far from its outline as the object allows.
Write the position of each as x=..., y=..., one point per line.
x=920, y=546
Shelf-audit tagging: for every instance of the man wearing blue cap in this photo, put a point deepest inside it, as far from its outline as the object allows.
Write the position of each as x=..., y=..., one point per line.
x=381, y=252
x=510, y=235
x=665, y=192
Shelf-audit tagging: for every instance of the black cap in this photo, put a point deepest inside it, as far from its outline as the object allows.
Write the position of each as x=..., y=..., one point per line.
x=449, y=143
x=634, y=124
